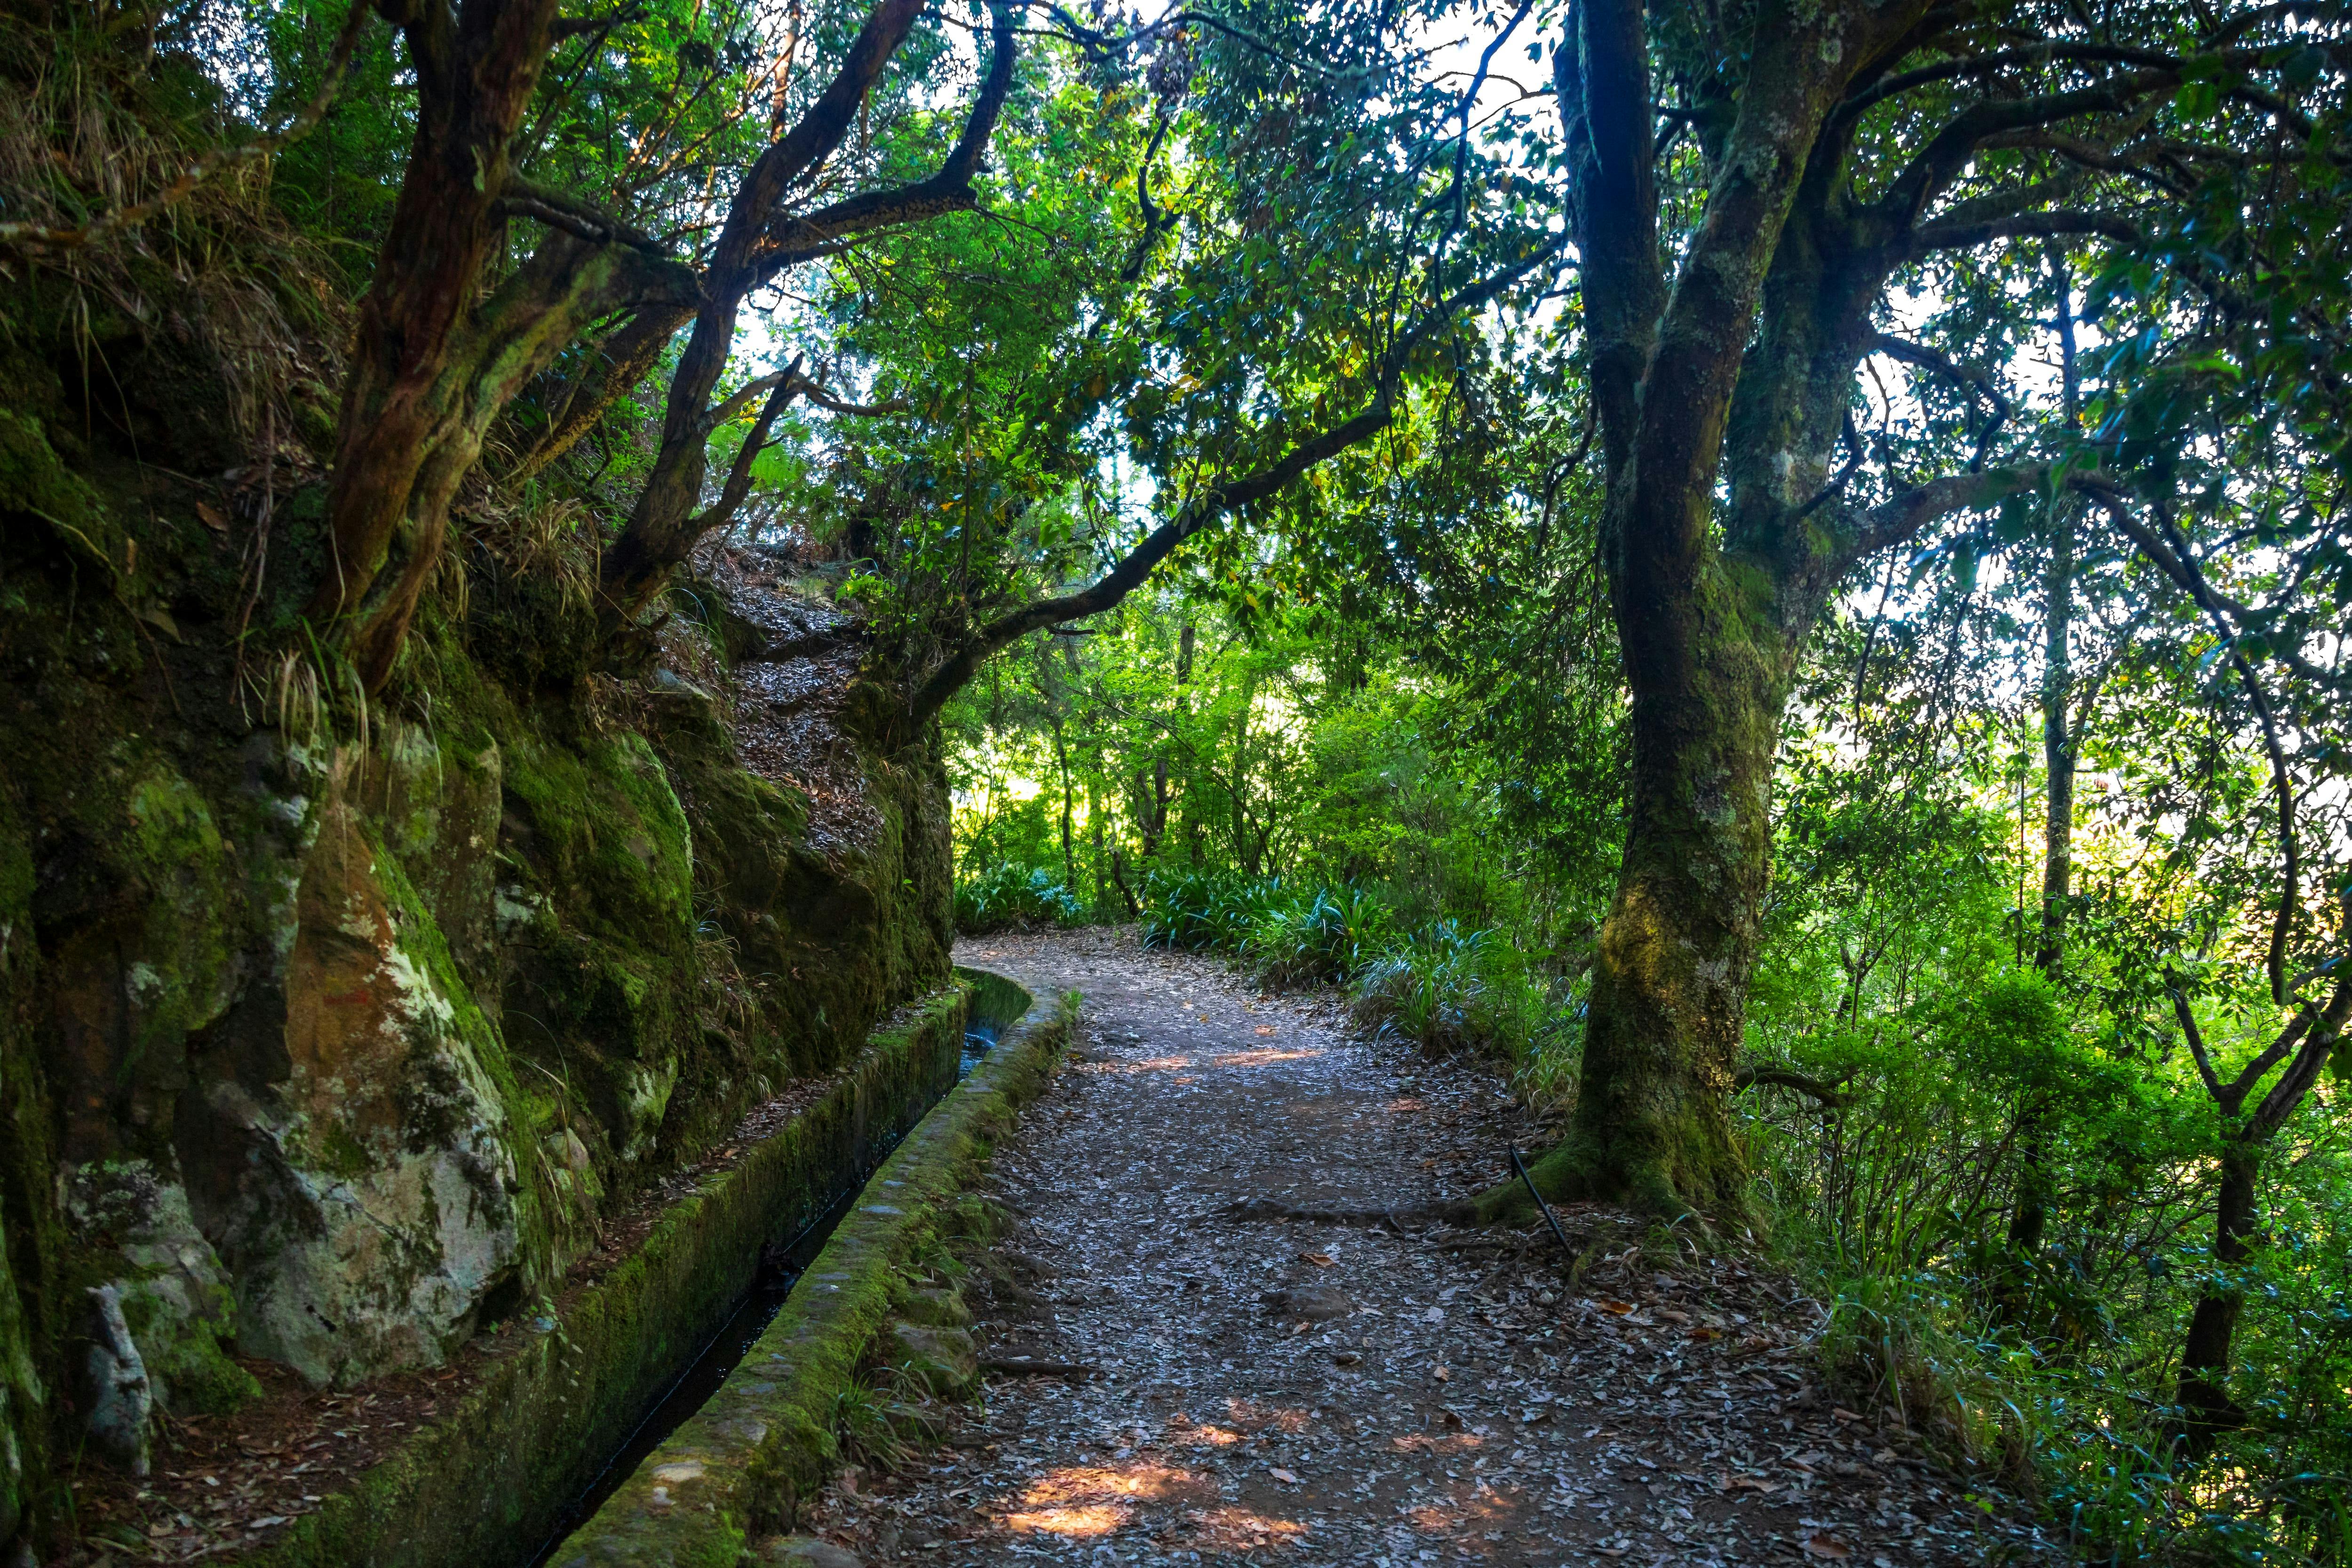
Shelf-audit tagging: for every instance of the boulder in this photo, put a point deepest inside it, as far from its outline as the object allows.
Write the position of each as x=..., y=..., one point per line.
x=943, y=1358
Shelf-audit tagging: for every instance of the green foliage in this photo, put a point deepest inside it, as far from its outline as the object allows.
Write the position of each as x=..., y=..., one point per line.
x=1005, y=896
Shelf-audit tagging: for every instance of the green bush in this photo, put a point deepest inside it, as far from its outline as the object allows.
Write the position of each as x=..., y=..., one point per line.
x=1008, y=896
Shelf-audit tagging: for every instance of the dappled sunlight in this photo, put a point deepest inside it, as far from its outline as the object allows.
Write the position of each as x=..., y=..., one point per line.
x=1264, y=1056
x=1083, y=1501
x=1485, y=1509
x=1253, y=1417
x=1154, y=1064
x=1436, y=1442
x=1238, y=1529
x=1140, y=1479
x=1094, y=1519
x=1183, y=1428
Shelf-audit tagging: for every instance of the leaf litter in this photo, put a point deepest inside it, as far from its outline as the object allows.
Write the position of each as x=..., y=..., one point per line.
x=1223, y=1206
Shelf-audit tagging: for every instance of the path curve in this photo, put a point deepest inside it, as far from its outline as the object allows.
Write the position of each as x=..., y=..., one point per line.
x=1323, y=1393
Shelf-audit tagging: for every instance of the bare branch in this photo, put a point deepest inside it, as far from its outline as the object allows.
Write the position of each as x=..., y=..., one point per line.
x=793, y=239
x=575, y=216
x=1973, y=381
x=1786, y=1078
x=567, y=28
x=2196, y=1038
x=732, y=494
x=1956, y=236
x=1892, y=522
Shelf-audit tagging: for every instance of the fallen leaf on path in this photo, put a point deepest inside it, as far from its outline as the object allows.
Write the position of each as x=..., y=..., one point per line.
x=1266, y=1029
x=1320, y=1260
x=1606, y=1306
x=1284, y=1476
x=1822, y=1546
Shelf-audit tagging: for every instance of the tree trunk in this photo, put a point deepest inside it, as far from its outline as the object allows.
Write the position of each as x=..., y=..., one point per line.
x=2029, y=1218
x=1069, y=854
x=2204, y=1394
x=1670, y=981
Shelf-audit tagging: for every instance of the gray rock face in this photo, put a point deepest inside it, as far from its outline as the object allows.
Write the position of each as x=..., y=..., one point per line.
x=351, y=1157
x=114, y=1385
x=175, y=1295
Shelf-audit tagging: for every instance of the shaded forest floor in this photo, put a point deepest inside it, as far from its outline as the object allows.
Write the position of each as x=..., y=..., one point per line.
x=1297, y=1391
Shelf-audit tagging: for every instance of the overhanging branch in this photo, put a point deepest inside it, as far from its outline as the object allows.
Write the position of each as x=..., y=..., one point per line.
x=1210, y=505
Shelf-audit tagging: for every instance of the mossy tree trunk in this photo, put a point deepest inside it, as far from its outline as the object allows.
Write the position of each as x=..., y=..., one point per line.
x=442, y=349
x=1723, y=389
x=438, y=354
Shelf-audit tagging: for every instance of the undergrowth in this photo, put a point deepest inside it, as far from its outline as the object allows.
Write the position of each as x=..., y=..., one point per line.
x=1441, y=986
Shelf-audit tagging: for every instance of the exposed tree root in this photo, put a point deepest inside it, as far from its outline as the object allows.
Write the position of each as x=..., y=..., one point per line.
x=1022, y=1366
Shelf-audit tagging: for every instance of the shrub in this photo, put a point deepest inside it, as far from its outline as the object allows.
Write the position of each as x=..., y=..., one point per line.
x=1007, y=896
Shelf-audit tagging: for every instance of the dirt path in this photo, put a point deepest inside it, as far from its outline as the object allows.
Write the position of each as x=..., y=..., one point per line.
x=1315, y=1393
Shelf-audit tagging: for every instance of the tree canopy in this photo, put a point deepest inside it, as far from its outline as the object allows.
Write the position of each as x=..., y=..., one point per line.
x=1783, y=566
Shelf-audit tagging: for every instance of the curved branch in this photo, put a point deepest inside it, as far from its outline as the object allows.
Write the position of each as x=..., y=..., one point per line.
x=791, y=240
x=1892, y=522
x=1785, y=1078
x=2054, y=223
x=1210, y=505
x=1975, y=381
x=575, y=216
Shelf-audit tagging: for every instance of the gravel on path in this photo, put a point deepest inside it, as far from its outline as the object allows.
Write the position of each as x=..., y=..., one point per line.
x=1366, y=1392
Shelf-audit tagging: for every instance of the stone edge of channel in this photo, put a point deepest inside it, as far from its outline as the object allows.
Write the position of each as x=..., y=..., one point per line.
x=765, y=1441
x=484, y=1483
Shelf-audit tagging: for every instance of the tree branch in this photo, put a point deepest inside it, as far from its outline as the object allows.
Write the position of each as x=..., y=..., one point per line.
x=575, y=216
x=791, y=240
x=1973, y=381
x=1942, y=235
x=1933, y=168
x=1891, y=522
x=1209, y=504
x=1786, y=1078
x=782, y=390
x=568, y=28
x=2196, y=1038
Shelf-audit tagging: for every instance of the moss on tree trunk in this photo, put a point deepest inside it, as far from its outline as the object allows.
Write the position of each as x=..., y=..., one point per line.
x=1670, y=980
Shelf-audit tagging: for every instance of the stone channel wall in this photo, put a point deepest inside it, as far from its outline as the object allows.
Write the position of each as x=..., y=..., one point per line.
x=331, y=1028
x=484, y=1485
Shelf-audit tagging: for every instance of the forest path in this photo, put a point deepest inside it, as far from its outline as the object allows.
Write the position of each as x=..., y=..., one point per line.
x=1415, y=1397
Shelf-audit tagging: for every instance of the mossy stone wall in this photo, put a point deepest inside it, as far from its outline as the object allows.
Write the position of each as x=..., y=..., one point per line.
x=314, y=1015
x=486, y=1483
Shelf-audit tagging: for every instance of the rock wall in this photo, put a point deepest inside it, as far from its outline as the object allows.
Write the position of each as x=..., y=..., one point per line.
x=328, y=1029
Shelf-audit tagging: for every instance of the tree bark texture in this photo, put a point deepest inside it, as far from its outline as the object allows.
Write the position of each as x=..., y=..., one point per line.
x=1722, y=396
x=2204, y=1393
